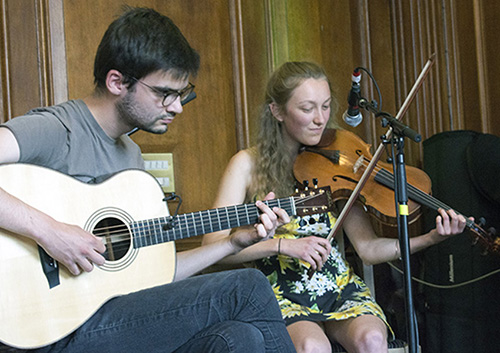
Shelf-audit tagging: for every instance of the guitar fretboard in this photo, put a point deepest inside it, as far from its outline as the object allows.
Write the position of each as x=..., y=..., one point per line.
x=165, y=229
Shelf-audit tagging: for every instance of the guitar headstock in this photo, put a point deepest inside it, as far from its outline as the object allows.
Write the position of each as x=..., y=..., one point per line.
x=312, y=200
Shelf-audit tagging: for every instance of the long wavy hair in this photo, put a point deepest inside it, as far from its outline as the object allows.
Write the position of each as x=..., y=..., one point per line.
x=274, y=165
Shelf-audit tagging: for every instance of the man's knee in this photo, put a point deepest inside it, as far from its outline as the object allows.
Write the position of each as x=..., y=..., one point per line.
x=250, y=280
x=255, y=283
x=227, y=336
x=243, y=337
x=252, y=277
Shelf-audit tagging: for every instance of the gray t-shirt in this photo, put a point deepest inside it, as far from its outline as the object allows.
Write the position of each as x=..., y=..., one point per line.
x=67, y=138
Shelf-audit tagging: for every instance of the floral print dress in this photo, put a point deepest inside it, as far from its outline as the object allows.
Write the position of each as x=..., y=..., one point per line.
x=334, y=293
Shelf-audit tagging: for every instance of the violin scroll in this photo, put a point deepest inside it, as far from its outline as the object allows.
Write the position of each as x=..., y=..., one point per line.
x=488, y=240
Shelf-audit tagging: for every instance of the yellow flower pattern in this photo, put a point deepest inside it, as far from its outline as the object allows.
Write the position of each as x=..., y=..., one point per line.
x=334, y=293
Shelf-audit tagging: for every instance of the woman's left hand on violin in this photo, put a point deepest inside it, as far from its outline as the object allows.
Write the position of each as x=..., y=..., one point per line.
x=449, y=223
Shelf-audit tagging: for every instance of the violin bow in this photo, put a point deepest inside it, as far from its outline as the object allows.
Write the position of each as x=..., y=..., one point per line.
x=378, y=153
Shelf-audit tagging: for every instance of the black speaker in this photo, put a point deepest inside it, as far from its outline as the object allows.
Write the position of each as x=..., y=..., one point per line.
x=462, y=317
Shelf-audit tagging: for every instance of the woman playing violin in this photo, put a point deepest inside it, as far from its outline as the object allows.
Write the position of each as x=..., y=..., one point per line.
x=334, y=304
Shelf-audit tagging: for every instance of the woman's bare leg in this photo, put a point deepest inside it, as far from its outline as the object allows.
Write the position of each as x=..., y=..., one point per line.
x=363, y=334
x=309, y=337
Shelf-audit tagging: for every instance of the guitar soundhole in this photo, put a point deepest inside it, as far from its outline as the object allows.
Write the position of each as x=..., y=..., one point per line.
x=116, y=237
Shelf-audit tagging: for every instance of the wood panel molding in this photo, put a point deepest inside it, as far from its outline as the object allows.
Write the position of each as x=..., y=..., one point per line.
x=57, y=56
x=239, y=75
x=4, y=69
x=26, y=67
x=479, y=30
x=278, y=23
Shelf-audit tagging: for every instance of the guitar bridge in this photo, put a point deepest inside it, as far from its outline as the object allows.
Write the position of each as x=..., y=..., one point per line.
x=50, y=268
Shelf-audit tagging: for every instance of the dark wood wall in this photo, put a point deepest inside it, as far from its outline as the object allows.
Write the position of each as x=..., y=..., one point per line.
x=48, y=47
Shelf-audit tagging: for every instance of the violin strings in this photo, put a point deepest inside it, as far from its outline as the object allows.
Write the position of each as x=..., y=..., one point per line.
x=425, y=198
x=388, y=176
x=421, y=196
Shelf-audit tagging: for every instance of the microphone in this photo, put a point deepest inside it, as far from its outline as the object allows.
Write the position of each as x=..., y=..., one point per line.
x=352, y=116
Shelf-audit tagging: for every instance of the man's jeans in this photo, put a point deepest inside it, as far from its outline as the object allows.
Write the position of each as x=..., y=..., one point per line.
x=233, y=311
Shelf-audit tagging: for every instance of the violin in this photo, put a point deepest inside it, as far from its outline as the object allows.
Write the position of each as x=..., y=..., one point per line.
x=341, y=158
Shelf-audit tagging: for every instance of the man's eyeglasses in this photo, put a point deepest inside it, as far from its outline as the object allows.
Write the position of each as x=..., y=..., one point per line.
x=169, y=95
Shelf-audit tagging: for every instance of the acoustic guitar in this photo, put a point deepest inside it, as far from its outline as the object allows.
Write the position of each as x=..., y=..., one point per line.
x=41, y=302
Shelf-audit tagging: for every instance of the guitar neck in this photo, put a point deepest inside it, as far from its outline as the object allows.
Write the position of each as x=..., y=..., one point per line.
x=165, y=229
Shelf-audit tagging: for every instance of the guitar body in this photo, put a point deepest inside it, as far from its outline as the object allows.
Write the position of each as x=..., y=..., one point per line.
x=31, y=313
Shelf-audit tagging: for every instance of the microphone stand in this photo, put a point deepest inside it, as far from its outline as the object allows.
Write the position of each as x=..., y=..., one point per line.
x=399, y=132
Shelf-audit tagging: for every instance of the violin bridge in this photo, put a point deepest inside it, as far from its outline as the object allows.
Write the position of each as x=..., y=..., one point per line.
x=358, y=164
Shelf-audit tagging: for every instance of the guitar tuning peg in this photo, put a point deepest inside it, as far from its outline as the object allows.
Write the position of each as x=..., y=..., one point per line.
x=482, y=221
x=492, y=231
x=306, y=184
x=315, y=182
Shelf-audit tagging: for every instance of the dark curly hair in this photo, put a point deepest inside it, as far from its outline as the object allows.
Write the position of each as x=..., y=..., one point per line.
x=142, y=41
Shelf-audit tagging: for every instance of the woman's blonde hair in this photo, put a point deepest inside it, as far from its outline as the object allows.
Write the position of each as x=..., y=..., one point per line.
x=274, y=167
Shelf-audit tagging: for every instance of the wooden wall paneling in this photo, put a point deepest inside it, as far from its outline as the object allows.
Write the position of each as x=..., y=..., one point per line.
x=434, y=106
x=337, y=49
x=419, y=31
x=25, y=65
x=389, y=47
x=4, y=62
x=379, y=60
x=444, y=68
x=419, y=59
x=239, y=77
x=402, y=67
x=482, y=69
x=469, y=70
x=423, y=118
x=277, y=14
x=84, y=26
x=410, y=68
x=491, y=26
x=43, y=52
x=399, y=41
x=57, y=51
x=438, y=108
x=304, y=31
x=362, y=37
x=251, y=55
x=461, y=64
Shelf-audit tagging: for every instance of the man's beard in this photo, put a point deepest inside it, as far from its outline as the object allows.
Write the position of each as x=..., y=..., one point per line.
x=127, y=110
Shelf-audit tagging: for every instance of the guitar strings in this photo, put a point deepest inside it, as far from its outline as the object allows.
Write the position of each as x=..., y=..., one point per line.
x=119, y=235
